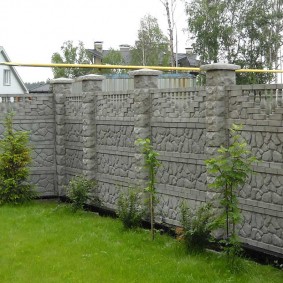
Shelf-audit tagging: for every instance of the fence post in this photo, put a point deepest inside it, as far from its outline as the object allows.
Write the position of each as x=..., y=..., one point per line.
x=217, y=77
x=90, y=85
x=61, y=88
x=144, y=81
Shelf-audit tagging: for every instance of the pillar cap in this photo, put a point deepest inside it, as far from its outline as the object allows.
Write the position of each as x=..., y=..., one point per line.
x=90, y=77
x=145, y=72
x=220, y=66
x=61, y=81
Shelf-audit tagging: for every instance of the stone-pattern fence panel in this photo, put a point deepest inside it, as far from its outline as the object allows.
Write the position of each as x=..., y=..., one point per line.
x=114, y=117
x=34, y=113
x=259, y=109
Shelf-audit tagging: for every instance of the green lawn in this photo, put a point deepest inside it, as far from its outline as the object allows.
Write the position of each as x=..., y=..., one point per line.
x=43, y=242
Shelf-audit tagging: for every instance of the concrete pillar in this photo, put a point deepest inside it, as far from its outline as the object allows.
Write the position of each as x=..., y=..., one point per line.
x=90, y=85
x=61, y=88
x=217, y=77
x=144, y=81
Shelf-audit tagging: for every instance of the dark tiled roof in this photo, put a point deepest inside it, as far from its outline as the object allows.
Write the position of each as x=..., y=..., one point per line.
x=189, y=60
x=41, y=89
x=184, y=59
x=95, y=53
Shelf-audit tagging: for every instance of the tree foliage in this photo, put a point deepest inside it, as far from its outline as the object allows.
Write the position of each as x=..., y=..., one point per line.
x=151, y=164
x=15, y=156
x=71, y=54
x=243, y=32
x=113, y=57
x=231, y=168
x=33, y=85
x=152, y=46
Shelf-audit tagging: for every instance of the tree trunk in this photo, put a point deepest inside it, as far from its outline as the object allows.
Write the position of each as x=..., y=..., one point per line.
x=170, y=29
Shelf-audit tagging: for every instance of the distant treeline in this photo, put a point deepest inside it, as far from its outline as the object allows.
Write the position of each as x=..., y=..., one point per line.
x=34, y=85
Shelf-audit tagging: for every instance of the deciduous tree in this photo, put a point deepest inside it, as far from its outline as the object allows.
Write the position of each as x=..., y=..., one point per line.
x=244, y=32
x=152, y=46
x=71, y=54
x=113, y=57
x=170, y=9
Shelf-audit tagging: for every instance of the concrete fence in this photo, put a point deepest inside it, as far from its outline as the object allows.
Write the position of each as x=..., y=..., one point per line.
x=80, y=129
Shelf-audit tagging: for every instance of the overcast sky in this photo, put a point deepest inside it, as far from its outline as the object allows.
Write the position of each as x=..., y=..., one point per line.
x=32, y=30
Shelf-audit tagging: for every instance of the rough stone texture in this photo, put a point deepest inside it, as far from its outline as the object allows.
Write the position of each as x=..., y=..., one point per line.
x=145, y=78
x=179, y=140
x=219, y=74
x=90, y=85
x=114, y=165
x=262, y=228
x=61, y=90
x=168, y=208
x=74, y=158
x=74, y=132
x=108, y=194
x=143, y=81
x=115, y=136
x=182, y=175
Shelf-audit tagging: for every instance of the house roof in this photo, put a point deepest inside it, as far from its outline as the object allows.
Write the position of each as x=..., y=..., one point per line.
x=184, y=59
x=44, y=88
x=188, y=60
x=95, y=53
x=14, y=71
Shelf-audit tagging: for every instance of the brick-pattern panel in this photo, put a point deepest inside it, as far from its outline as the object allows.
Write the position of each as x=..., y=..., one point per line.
x=115, y=105
x=180, y=103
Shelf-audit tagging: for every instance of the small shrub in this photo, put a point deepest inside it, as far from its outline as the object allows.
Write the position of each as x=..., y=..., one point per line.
x=196, y=227
x=15, y=156
x=130, y=209
x=78, y=191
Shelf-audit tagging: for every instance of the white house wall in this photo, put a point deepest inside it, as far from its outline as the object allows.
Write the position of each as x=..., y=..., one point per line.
x=15, y=87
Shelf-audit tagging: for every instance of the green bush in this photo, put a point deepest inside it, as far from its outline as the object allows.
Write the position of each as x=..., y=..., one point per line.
x=78, y=191
x=130, y=209
x=196, y=227
x=15, y=156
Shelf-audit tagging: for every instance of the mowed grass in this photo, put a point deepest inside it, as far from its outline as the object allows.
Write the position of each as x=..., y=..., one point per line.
x=44, y=242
